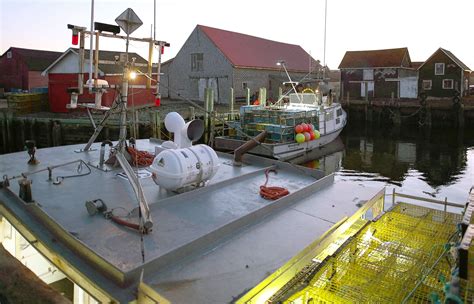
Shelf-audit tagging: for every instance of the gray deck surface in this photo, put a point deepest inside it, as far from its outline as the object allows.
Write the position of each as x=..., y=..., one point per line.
x=208, y=245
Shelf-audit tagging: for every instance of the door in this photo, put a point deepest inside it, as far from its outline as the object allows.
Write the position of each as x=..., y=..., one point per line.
x=213, y=84
x=370, y=88
x=408, y=87
x=202, y=85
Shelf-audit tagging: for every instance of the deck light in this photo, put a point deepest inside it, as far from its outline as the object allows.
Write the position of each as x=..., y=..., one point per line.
x=133, y=75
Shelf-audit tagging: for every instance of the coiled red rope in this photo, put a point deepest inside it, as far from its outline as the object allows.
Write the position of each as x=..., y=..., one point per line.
x=272, y=193
x=140, y=158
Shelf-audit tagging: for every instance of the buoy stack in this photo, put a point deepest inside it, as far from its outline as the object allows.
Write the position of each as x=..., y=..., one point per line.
x=305, y=132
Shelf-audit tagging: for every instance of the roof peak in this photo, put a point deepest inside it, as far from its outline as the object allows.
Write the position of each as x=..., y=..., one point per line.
x=247, y=51
x=378, y=50
x=238, y=33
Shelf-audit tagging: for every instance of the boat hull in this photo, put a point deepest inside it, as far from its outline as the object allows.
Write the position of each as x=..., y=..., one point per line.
x=281, y=151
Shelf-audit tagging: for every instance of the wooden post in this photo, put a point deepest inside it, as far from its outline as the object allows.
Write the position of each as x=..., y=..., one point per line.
x=428, y=116
x=158, y=124
x=206, y=113
x=211, y=117
x=136, y=127
x=10, y=137
x=262, y=96
x=192, y=113
x=21, y=128
x=3, y=124
x=56, y=133
x=460, y=116
x=247, y=91
x=367, y=92
x=149, y=67
x=155, y=124
x=231, y=103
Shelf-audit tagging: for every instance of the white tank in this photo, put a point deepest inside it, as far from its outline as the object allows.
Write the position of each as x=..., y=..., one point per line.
x=177, y=168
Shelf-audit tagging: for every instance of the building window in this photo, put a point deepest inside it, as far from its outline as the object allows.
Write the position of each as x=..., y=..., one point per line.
x=197, y=62
x=427, y=85
x=9, y=54
x=448, y=84
x=439, y=68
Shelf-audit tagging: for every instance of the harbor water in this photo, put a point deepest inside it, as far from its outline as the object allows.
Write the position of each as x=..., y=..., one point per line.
x=435, y=163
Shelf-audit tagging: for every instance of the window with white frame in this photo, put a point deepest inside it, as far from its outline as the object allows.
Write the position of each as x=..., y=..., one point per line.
x=427, y=84
x=448, y=84
x=197, y=62
x=439, y=68
x=9, y=54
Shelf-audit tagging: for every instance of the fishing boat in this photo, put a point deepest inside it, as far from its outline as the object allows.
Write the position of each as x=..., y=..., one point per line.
x=318, y=120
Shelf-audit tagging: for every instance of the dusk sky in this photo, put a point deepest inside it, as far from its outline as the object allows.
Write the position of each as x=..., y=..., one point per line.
x=421, y=25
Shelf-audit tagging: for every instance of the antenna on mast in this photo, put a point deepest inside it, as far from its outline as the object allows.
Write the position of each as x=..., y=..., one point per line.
x=154, y=19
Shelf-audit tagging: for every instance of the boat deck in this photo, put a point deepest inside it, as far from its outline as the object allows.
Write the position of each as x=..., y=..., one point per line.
x=209, y=245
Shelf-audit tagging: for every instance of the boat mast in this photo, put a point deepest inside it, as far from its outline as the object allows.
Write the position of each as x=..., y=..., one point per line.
x=91, y=46
x=325, y=22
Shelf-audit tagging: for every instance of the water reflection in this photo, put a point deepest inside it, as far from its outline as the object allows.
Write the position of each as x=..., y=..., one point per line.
x=434, y=162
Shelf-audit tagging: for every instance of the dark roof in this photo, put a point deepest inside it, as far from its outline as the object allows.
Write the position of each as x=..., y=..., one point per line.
x=374, y=58
x=456, y=60
x=254, y=52
x=416, y=64
x=451, y=56
x=112, y=68
x=109, y=56
x=36, y=60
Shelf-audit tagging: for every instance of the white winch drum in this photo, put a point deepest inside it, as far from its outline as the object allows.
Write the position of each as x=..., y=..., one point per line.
x=177, y=168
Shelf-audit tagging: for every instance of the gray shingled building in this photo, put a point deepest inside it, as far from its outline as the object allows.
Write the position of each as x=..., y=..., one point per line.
x=222, y=60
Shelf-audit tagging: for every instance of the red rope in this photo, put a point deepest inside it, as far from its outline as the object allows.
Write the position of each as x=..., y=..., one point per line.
x=125, y=223
x=272, y=193
x=140, y=158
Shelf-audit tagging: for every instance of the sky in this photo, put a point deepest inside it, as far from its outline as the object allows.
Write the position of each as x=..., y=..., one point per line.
x=421, y=25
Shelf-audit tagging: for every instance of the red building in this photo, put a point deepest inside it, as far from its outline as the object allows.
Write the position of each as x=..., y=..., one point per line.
x=63, y=74
x=21, y=68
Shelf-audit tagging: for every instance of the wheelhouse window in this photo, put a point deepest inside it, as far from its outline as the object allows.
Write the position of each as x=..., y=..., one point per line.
x=427, y=84
x=439, y=68
x=448, y=84
x=197, y=62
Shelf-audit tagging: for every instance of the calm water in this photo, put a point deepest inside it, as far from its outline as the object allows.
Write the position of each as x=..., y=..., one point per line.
x=437, y=163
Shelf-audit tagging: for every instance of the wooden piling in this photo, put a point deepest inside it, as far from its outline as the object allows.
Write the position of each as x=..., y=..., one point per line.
x=3, y=125
x=9, y=127
x=231, y=101
x=20, y=129
x=262, y=96
x=56, y=134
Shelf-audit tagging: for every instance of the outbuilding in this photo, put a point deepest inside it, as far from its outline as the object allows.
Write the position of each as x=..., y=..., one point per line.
x=378, y=74
x=63, y=74
x=444, y=75
x=222, y=60
x=21, y=69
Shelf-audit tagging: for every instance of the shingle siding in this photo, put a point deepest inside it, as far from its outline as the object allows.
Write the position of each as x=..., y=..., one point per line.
x=185, y=82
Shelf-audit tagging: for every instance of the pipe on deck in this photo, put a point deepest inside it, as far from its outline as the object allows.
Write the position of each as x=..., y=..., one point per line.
x=249, y=145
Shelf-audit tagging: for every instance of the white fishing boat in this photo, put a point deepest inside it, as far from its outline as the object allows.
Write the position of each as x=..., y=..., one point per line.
x=280, y=126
